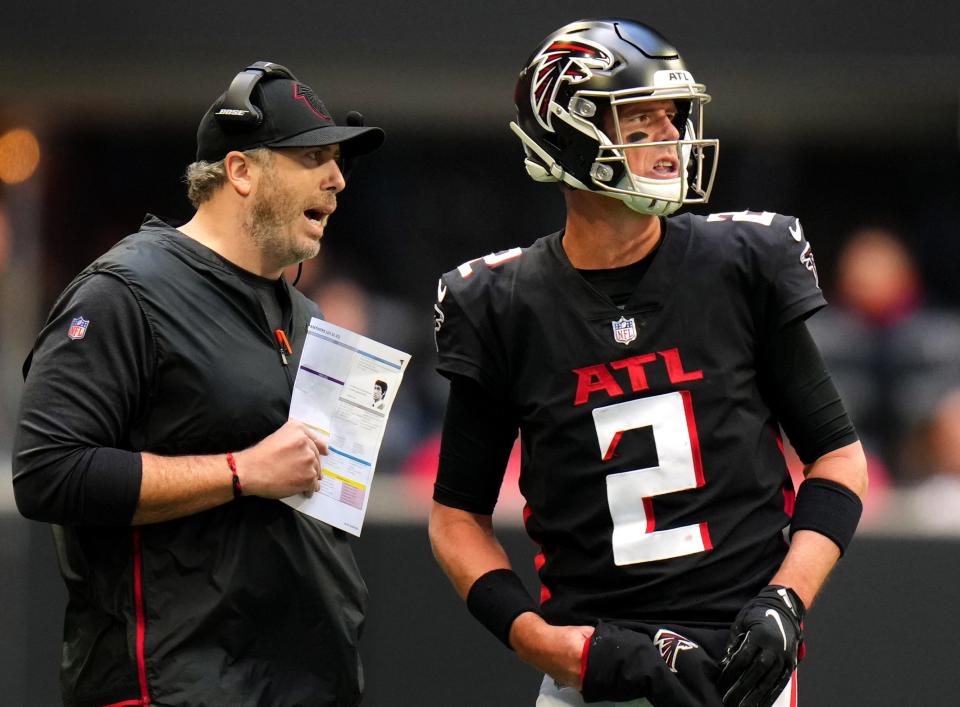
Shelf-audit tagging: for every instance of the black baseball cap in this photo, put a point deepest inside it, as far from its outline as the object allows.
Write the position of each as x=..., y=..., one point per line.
x=280, y=112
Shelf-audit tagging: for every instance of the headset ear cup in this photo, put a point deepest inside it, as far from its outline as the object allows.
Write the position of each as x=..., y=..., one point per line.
x=237, y=110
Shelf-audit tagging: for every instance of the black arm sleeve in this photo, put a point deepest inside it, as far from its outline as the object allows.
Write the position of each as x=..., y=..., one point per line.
x=477, y=439
x=72, y=462
x=802, y=394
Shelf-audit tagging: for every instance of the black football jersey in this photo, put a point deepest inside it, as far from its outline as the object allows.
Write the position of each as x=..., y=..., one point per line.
x=652, y=466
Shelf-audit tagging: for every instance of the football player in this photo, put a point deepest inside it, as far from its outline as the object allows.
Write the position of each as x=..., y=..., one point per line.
x=649, y=362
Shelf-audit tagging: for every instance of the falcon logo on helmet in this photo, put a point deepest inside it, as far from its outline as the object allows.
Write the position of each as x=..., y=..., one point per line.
x=563, y=59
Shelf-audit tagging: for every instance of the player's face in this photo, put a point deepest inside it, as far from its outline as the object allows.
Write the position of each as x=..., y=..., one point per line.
x=294, y=197
x=643, y=122
x=377, y=393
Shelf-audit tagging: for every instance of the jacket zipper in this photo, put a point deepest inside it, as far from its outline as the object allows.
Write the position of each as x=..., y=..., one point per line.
x=284, y=349
x=283, y=346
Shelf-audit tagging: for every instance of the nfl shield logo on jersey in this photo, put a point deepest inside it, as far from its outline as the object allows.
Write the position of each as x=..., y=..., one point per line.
x=624, y=330
x=78, y=328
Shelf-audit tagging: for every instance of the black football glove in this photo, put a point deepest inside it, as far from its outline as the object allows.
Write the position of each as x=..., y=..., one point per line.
x=765, y=645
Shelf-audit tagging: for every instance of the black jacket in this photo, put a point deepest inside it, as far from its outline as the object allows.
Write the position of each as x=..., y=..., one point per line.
x=162, y=346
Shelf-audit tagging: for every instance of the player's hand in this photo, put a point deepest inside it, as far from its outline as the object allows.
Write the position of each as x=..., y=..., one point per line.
x=282, y=464
x=554, y=650
x=762, y=653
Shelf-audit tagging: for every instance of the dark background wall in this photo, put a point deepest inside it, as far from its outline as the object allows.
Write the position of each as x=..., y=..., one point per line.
x=854, y=69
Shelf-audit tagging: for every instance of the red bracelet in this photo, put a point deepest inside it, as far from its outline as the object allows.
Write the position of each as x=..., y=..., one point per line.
x=232, y=463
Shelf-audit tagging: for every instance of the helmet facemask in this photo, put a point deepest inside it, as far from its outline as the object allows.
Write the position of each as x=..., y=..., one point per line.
x=649, y=154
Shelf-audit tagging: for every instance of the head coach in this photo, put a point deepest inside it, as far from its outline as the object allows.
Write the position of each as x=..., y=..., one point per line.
x=153, y=432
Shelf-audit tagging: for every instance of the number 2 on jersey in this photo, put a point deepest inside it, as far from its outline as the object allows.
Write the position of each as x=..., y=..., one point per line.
x=630, y=493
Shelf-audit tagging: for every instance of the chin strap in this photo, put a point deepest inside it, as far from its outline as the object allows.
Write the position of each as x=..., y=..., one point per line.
x=645, y=205
x=299, y=273
x=649, y=203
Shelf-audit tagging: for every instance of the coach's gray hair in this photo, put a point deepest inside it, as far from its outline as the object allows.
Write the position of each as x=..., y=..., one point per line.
x=204, y=178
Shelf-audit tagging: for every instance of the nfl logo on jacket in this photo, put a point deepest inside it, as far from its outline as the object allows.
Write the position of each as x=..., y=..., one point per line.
x=78, y=328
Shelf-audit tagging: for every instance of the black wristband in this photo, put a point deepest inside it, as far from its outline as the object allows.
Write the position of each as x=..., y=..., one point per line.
x=496, y=599
x=828, y=508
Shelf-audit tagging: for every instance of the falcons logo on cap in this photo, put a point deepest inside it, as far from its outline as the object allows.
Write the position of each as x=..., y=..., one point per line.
x=563, y=60
x=670, y=644
x=306, y=94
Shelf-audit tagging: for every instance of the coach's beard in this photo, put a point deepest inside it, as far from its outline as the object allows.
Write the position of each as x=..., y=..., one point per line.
x=273, y=218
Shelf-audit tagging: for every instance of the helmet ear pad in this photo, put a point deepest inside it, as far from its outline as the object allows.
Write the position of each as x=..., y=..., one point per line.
x=579, y=153
x=680, y=122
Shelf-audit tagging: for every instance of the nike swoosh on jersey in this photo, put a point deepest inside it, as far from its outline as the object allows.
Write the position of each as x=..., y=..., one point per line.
x=798, y=233
x=776, y=617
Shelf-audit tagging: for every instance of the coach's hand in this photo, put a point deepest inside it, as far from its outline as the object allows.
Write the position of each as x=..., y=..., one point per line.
x=762, y=653
x=554, y=650
x=283, y=464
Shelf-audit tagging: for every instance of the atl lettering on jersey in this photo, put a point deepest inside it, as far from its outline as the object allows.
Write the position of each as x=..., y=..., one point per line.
x=600, y=376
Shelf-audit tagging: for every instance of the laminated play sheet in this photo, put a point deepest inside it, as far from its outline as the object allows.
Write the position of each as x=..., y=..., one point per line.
x=344, y=389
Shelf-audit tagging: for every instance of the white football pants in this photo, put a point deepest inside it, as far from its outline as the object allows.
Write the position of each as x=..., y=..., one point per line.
x=551, y=695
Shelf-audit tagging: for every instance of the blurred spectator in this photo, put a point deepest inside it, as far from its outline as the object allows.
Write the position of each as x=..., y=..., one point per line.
x=307, y=275
x=889, y=353
x=935, y=502
x=344, y=303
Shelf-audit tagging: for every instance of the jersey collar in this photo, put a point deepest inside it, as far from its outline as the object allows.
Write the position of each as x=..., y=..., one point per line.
x=651, y=292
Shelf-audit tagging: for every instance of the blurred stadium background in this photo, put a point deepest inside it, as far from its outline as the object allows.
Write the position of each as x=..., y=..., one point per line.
x=844, y=114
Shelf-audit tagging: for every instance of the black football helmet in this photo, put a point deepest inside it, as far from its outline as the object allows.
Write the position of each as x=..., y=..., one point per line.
x=575, y=95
